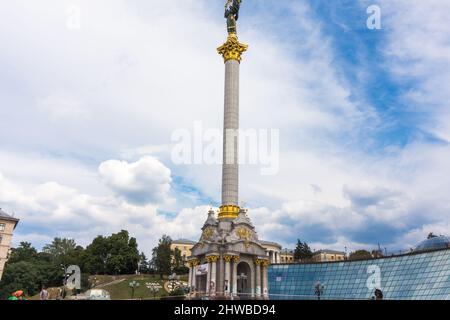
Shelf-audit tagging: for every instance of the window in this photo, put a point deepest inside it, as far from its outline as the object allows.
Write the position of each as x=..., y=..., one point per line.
x=1, y=238
x=2, y=227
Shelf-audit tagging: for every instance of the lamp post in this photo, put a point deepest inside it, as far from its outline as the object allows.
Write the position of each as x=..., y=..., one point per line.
x=173, y=278
x=133, y=285
x=154, y=288
x=319, y=289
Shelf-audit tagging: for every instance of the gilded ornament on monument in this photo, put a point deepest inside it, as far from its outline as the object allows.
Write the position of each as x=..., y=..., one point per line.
x=232, y=49
x=244, y=234
x=207, y=234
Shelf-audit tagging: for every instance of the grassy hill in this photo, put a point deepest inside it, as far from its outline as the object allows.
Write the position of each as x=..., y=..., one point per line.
x=119, y=289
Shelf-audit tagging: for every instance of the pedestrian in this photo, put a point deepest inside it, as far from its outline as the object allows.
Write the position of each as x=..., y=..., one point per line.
x=44, y=294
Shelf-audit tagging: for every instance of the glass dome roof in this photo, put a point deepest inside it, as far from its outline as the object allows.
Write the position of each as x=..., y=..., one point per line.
x=434, y=243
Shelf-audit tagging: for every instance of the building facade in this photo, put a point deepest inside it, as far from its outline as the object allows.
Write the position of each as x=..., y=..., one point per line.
x=328, y=255
x=7, y=226
x=273, y=249
x=423, y=275
x=185, y=247
x=287, y=256
x=229, y=260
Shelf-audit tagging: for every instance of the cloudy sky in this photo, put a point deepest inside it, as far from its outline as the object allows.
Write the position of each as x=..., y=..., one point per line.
x=88, y=107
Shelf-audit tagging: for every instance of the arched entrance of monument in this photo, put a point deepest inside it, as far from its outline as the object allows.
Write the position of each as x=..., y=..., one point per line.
x=244, y=280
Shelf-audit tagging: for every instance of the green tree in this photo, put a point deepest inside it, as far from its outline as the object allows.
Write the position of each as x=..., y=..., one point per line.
x=96, y=256
x=24, y=252
x=29, y=270
x=360, y=255
x=177, y=263
x=133, y=256
x=117, y=254
x=124, y=255
x=162, y=256
x=302, y=251
x=20, y=275
x=64, y=252
x=143, y=264
x=177, y=259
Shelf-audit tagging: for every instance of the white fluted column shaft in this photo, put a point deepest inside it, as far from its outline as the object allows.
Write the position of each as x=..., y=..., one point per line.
x=194, y=278
x=230, y=168
x=214, y=276
x=258, y=279
x=234, y=287
x=264, y=281
x=190, y=276
x=208, y=278
x=227, y=277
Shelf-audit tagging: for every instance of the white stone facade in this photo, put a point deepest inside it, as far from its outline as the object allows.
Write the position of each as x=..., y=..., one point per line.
x=7, y=226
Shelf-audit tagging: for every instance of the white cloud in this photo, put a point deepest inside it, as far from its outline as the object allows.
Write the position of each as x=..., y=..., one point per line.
x=61, y=107
x=56, y=210
x=144, y=181
x=418, y=52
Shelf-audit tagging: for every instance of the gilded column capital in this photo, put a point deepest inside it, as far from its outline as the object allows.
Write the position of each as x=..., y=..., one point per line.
x=235, y=259
x=194, y=262
x=227, y=258
x=262, y=262
x=232, y=49
x=212, y=258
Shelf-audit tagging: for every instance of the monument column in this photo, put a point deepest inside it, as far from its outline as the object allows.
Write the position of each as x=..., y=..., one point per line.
x=227, y=275
x=258, y=277
x=208, y=276
x=221, y=276
x=231, y=51
x=213, y=274
x=194, y=276
x=190, y=275
x=265, y=290
x=235, y=263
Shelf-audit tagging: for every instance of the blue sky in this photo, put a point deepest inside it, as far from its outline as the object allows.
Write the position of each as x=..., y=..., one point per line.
x=88, y=113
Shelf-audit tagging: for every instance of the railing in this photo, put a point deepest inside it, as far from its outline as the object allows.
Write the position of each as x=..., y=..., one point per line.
x=248, y=296
x=315, y=297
